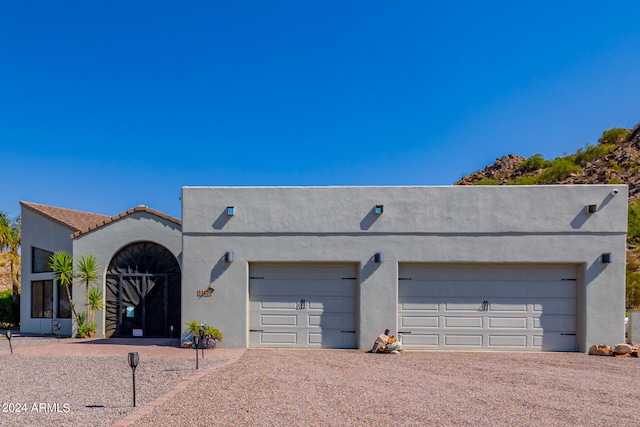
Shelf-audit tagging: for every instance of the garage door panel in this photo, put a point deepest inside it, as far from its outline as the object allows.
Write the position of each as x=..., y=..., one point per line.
x=488, y=307
x=421, y=340
x=278, y=320
x=508, y=323
x=513, y=341
x=465, y=341
x=507, y=307
x=278, y=305
x=302, y=305
x=556, y=306
x=278, y=338
x=419, y=321
x=555, y=323
x=463, y=322
x=417, y=304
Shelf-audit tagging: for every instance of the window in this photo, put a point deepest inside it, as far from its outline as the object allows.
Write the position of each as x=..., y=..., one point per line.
x=42, y=301
x=40, y=260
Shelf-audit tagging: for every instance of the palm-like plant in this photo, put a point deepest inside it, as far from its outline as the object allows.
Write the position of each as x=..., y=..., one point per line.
x=87, y=271
x=62, y=265
x=96, y=302
x=10, y=243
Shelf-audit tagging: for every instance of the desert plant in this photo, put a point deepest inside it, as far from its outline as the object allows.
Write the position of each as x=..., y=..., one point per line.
x=9, y=310
x=560, y=169
x=212, y=335
x=486, y=181
x=87, y=271
x=535, y=162
x=96, y=302
x=61, y=264
x=613, y=136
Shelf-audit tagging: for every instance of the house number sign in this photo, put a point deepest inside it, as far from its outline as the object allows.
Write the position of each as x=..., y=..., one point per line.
x=205, y=292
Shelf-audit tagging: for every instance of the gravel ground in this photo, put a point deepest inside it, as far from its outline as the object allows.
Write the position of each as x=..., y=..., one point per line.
x=336, y=388
x=82, y=391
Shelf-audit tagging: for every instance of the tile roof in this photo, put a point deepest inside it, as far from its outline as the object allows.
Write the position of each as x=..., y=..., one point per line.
x=83, y=222
x=72, y=219
x=109, y=220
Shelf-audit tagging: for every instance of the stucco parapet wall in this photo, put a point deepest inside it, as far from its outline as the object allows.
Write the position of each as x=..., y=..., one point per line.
x=411, y=210
x=143, y=209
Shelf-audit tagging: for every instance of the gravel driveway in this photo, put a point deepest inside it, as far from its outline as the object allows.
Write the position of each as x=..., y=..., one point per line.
x=331, y=388
x=337, y=388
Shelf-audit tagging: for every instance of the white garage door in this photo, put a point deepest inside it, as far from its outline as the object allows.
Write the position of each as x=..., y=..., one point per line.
x=302, y=305
x=497, y=307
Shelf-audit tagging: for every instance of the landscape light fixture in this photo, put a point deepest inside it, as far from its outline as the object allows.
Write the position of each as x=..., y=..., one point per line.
x=9, y=338
x=171, y=335
x=202, y=338
x=196, y=341
x=58, y=327
x=378, y=257
x=378, y=209
x=606, y=258
x=591, y=209
x=133, y=362
x=228, y=257
x=231, y=210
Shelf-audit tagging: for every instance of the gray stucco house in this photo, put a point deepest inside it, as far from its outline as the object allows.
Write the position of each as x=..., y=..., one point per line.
x=472, y=268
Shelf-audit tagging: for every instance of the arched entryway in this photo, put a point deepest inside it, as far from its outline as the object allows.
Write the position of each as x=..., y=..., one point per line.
x=143, y=292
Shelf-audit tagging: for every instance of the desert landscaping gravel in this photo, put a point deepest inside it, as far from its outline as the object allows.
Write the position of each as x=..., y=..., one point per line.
x=337, y=388
x=330, y=388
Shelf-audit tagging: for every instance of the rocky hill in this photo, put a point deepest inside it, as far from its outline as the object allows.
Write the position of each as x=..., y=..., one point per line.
x=614, y=160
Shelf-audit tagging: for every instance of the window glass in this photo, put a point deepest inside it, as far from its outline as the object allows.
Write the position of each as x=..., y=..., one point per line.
x=64, y=307
x=40, y=260
x=42, y=299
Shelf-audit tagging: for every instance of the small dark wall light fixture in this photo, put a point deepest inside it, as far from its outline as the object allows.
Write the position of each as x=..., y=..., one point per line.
x=134, y=359
x=591, y=209
x=606, y=258
x=9, y=338
x=378, y=258
x=228, y=256
x=231, y=210
x=378, y=209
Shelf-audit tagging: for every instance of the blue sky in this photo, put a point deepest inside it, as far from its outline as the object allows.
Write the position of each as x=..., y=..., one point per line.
x=108, y=105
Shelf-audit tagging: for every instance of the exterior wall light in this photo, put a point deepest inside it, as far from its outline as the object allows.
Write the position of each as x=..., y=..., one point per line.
x=228, y=256
x=378, y=257
x=606, y=258
x=231, y=210
x=591, y=209
x=378, y=209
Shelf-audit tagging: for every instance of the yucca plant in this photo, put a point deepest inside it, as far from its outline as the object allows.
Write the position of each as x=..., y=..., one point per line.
x=61, y=264
x=87, y=271
x=96, y=302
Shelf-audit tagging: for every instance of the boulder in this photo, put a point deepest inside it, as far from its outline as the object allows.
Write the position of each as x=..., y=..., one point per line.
x=600, y=350
x=622, y=349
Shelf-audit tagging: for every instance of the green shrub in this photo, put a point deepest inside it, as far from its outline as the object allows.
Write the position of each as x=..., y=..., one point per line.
x=592, y=152
x=613, y=136
x=632, y=300
x=535, y=162
x=525, y=180
x=9, y=310
x=486, y=181
x=633, y=232
x=560, y=169
x=614, y=181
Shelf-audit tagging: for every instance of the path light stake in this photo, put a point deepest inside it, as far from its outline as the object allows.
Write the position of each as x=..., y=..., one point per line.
x=58, y=327
x=171, y=332
x=133, y=362
x=9, y=338
x=202, y=339
x=196, y=341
